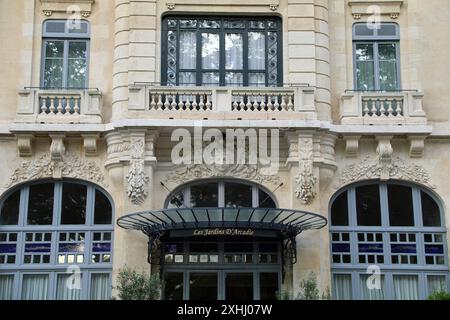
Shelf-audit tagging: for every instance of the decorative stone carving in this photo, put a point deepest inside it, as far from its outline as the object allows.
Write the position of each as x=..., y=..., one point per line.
x=253, y=173
x=71, y=166
x=69, y=7
x=137, y=179
x=390, y=8
x=306, y=180
x=90, y=144
x=357, y=16
x=395, y=15
x=351, y=146
x=24, y=145
x=399, y=169
x=47, y=13
x=85, y=14
x=417, y=145
x=57, y=148
x=171, y=6
x=384, y=153
x=273, y=7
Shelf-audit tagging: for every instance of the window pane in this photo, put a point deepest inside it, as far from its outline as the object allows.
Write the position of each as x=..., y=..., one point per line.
x=257, y=79
x=34, y=287
x=6, y=287
x=238, y=195
x=387, y=30
x=370, y=290
x=364, y=52
x=210, y=51
x=339, y=211
x=387, y=51
x=268, y=286
x=239, y=286
x=173, y=286
x=368, y=205
x=437, y=284
x=78, y=27
x=204, y=195
x=53, y=73
x=342, y=287
x=234, y=53
x=365, y=75
x=388, y=76
x=9, y=214
x=188, y=50
x=406, y=287
x=73, y=207
x=265, y=201
x=210, y=78
x=235, y=79
x=55, y=26
x=77, y=49
x=68, y=288
x=401, y=212
x=187, y=78
x=256, y=51
x=203, y=286
x=54, y=49
x=362, y=30
x=77, y=73
x=430, y=211
x=100, y=287
x=40, y=204
x=103, y=209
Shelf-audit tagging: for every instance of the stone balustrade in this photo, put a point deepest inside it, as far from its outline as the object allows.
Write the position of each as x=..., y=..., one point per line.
x=223, y=102
x=59, y=106
x=391, y=108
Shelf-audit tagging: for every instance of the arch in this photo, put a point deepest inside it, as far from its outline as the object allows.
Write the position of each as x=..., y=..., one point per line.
x=396, y=225
x=222, y=181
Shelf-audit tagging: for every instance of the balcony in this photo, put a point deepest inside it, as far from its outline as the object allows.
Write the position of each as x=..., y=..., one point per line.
x=222, y=103
x=59, y=106
x=382, y=108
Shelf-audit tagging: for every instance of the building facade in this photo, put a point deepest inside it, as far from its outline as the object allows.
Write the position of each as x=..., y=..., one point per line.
x=349, y=97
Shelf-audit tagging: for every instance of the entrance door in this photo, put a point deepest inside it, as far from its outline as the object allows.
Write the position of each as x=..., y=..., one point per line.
x=239, y=286
x=203, y=286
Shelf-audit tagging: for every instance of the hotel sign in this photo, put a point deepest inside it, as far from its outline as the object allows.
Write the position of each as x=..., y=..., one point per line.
x=222, y=232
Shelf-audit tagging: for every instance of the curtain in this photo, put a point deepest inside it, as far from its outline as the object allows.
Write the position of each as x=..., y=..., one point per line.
x=210, y=51
x=371, y=294
x=436, y=284
x=35, y=287
x=188, y=50
x=256, y=51
x=406, y=287
x=100, y=286
x=342, y=287
x=6, y=287
x=64, y=291
x=234, y=54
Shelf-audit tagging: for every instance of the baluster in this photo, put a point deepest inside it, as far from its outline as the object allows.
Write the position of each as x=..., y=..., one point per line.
x=382, y=107
x=180, y=102
x=235, y=104
x=60, y=107
x=44, y=106
x=283, y=102
x=202, y=102
x=52, y=105
x=153, y=102
x=194, y=102
x=255, y=104
x=68, y=108
x=242, y=104
x=399, y=109
x=269, y=103
x=390, y=110
x=208, y=102
x=249, y=104
x=160, y=103
x=188, y=101
x=374, y=107
x=366, y=108
x=173, y=105
x=76, y=106
x=277, y=104
x=290, y=103
x=263, y=103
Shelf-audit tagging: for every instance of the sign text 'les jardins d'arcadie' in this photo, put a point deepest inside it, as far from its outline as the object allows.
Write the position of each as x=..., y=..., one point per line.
x=223, y=232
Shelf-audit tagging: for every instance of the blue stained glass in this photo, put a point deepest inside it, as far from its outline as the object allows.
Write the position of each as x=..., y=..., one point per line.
x=403, y=248
x=341, y=247
x=71, y=247
x=434, y=249
x=7, y=248
x=101, y=247
x=370, y=248
x=38, y=247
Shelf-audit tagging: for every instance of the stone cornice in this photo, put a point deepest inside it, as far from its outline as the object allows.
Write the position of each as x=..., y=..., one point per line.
x=360, y=8
x=81, y=7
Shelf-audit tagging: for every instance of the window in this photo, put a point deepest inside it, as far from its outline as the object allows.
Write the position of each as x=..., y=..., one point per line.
x=395, y=226
x=223, y=194
x=65, y=47
x=376, y=54
x=222, y=51
x=55, y=226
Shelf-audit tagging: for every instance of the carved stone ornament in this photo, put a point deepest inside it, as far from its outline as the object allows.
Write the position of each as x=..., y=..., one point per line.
x=306, y=180
x=253, y=173
x=71, y=166
x=137, y=179
x=171, y=6
x=397, y=169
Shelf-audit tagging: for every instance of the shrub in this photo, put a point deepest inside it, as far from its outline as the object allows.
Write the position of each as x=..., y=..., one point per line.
x=138, y=286
x=439, y=295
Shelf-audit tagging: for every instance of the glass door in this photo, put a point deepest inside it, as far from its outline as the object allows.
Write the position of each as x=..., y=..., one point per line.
x=239, y=286
x=203, y=286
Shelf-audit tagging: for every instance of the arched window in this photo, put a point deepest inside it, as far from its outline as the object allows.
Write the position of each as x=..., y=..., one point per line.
x=220, y=193
x=56, y=242
x=394, y=228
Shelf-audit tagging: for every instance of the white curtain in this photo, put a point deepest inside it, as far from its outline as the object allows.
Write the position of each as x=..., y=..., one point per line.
x=256, y=51
x=6, y=287
x=369, y=293
x=100, y=286
x=234, y=53
x=35, y=287
x=342, y=287
x=210, y=51
x=188, y=50
x=64, y=289
x=437, y=284
x=406, y=287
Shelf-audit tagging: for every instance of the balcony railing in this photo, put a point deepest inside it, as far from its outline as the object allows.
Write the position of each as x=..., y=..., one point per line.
x=223, y=102
x=391, y=108
x=59, y=106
